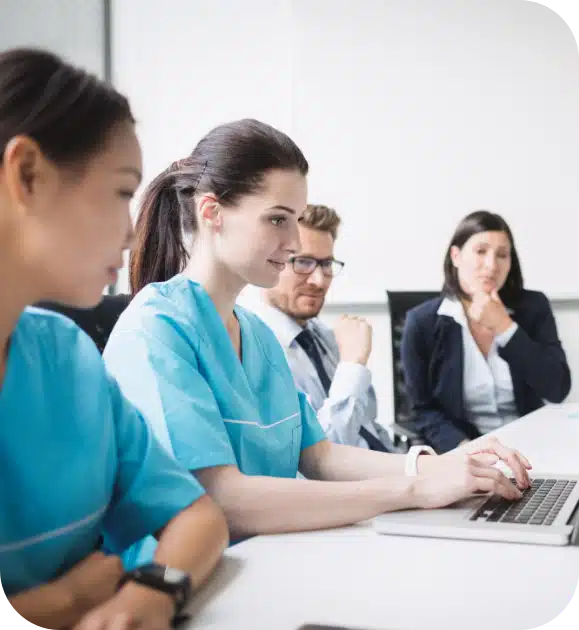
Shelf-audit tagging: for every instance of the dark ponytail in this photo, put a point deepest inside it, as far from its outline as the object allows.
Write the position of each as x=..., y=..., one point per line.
x=160, y=228
x=230, y=161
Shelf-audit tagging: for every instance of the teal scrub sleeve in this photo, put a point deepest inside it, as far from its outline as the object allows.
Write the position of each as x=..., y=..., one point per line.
x=312, y=431
x=157, y=369
x=151, y=488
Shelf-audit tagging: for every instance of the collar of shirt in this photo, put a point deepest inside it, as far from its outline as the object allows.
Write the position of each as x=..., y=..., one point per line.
x=285, y=327
x=453, y=308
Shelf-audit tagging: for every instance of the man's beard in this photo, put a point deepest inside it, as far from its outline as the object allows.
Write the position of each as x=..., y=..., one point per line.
x=283, y=304
x=305, y=314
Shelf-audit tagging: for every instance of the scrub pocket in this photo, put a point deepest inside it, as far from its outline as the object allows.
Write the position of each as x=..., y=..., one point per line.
x=272, y=450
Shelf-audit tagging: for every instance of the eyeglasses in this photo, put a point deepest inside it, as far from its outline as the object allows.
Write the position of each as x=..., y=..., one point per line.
x=304, y=265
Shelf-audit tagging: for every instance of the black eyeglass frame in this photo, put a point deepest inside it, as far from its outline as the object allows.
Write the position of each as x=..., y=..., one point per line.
x=330, y=266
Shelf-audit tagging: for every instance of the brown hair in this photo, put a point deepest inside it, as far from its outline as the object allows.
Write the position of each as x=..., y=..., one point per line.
x=230, y=161
x=322, y=218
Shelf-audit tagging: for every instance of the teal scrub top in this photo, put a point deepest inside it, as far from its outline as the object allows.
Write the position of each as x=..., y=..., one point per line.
x=174, y=359
x=77, y=460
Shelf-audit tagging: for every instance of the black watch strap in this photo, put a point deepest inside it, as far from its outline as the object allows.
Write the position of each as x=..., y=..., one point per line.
x=172, y=582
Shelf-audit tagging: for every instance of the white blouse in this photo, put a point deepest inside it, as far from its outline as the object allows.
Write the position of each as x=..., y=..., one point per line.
x=488, y=387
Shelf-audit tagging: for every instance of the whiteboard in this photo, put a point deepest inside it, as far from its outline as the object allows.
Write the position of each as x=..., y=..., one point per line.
x=411, y=113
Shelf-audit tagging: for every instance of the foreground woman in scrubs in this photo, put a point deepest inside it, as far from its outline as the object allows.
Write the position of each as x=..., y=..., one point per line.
x=212, y=377
x=77, y=461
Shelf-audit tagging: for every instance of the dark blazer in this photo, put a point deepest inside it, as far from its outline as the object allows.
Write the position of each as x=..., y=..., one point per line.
x=432, y=359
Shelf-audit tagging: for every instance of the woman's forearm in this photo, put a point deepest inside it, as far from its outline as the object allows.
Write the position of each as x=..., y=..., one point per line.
x=269, y=505
x=326, y=461
x=336, y=462
x=194, y=540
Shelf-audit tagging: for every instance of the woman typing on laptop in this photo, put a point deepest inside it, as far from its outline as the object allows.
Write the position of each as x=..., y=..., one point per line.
x=487, y=351
x=212, y=377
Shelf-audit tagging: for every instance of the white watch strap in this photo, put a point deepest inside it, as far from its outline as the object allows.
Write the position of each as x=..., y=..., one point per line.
x=411, y=462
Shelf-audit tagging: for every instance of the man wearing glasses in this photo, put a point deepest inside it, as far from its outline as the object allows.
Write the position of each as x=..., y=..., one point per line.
x=329, y=366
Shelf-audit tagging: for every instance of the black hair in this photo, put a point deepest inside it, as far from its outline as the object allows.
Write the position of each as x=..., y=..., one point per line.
x=66, y=110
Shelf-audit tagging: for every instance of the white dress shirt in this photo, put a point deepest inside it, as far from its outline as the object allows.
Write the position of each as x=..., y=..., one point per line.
x=488, y=387
x=351, y=402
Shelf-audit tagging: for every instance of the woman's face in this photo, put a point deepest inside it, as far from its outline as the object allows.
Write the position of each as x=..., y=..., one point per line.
x=256, y=237
x=483, y=263
x=74, y=227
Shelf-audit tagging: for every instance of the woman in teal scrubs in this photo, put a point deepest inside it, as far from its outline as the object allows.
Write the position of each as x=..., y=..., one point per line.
x=211, y=376
x=78, y=463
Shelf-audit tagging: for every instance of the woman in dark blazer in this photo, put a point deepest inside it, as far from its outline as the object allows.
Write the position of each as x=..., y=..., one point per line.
x=487, y=351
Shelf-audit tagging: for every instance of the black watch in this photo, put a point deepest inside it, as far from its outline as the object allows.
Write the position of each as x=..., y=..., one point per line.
x=173, y=582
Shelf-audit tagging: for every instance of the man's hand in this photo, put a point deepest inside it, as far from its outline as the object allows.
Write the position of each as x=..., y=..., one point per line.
x=354, y=337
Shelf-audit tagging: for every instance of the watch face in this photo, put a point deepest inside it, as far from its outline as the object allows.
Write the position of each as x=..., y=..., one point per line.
x=165, y=574
x=173, y=582
x=174, y=576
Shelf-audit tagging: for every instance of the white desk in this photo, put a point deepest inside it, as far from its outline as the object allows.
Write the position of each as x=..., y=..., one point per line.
x=352, y=576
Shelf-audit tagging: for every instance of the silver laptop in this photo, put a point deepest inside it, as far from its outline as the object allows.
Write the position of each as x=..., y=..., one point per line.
x=545, y=515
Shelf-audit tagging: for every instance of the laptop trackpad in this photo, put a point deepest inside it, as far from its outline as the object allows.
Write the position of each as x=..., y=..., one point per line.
x=458, y=511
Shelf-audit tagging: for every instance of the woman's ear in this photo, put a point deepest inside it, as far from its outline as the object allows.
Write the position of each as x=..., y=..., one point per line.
x=209, y=212
x=23, y=164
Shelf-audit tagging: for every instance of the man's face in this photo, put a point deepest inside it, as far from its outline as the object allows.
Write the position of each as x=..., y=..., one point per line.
x=302, y=296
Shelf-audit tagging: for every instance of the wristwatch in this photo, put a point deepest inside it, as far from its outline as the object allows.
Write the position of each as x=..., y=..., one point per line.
x=410, y=464
x=173, y=582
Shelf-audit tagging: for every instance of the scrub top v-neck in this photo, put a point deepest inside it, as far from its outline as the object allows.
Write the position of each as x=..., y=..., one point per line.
x=174, y=359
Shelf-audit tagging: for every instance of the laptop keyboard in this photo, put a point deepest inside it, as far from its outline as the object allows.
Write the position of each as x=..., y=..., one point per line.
x=539, y=505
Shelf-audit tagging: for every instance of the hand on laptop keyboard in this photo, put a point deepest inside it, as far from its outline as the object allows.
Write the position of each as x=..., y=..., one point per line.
x=490, y=450
x=451, y=479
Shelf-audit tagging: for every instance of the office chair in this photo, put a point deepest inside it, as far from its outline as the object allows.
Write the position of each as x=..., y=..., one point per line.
x=97, y=322
x=399, y=303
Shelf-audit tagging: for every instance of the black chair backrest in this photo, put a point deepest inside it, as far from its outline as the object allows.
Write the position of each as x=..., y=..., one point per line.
x=97, y=322
x=399, y=303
